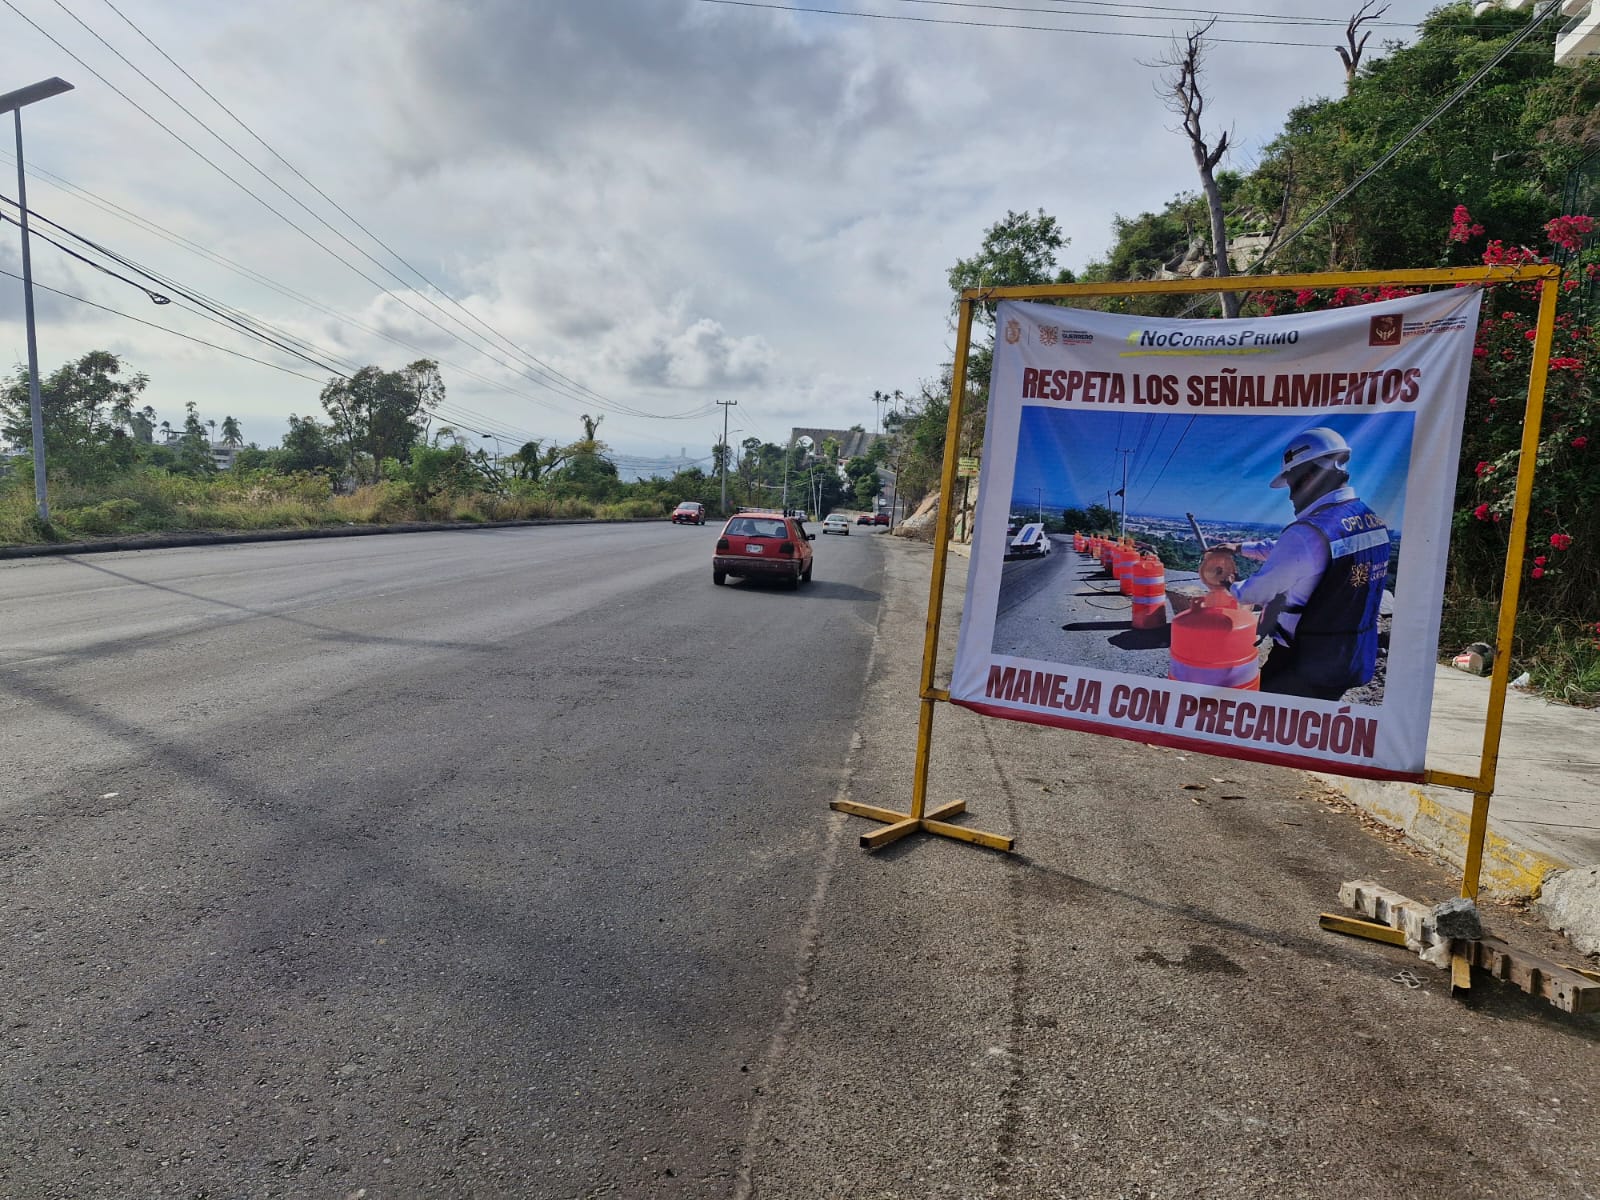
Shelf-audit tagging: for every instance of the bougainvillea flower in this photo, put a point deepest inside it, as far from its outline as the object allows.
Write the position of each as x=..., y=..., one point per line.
x=1561, y=540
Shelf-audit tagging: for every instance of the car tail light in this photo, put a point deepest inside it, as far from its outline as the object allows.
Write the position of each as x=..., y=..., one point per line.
x=722, y=543
x=786, y=548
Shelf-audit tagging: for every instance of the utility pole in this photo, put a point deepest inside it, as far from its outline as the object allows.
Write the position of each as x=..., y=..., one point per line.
x=1124, y=492
x=726, y=405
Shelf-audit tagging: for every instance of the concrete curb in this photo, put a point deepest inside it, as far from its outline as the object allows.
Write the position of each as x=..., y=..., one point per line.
x=209, y=537
x=1437, y=819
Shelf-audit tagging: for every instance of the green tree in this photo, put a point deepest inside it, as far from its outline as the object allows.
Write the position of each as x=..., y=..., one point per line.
x=87, y=411
x=379, y=414
x=309, y=446
x=194, y=447
x=1018, y=250
x=232, y=435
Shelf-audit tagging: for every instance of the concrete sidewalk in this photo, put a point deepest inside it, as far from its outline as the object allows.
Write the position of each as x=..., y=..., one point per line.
x=1544, y=816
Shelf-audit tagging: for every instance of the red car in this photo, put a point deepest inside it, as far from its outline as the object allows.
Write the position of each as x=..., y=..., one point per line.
x=690, y=512
x=767, y=545
x=881, y=519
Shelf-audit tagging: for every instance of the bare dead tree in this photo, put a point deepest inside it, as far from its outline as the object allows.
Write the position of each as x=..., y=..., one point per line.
x=1180, y=88
x=1351, y=51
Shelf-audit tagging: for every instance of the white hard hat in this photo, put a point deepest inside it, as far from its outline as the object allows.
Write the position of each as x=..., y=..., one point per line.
x=1312, y=445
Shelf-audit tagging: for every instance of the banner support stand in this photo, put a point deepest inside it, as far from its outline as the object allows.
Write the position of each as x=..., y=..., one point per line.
x=1548, y=276
x=919, y=819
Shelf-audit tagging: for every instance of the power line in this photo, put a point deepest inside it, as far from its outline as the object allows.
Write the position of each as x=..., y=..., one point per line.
x=1146, y=495
x=337, y=206
x=1215, y=15
x=1522, y=35
x=163, y=328
x=246, y=272
x=565, y=390
x=836, y=12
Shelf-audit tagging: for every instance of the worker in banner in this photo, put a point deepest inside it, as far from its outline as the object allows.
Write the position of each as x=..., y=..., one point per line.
x=1321, y=582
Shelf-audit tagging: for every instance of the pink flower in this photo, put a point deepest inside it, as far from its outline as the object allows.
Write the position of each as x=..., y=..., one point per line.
x=1561, y=540
x=1480, y=352
x=1482, y=469
x=1568, y=231
x=1538, y=572
x=1304, y=297
x=1565, y=363
x=1481, y=512
x=1540, y=561
x=1462, y=226
x=1579, y=442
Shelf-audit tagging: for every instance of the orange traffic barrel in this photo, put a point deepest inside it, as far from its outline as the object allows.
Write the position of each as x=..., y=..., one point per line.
x=1077, y=542
x=1123, y=564
x=1149, y=592
x=1107, y=546
x=1214, y=642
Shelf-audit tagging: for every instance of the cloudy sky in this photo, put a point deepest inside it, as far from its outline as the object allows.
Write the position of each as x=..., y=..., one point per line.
x=634, y=208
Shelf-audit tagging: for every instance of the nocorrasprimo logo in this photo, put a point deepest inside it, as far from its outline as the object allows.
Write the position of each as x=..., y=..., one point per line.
x=1241, y=341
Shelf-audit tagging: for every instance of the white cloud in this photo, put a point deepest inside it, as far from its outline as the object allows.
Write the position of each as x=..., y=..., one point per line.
x=665, y=201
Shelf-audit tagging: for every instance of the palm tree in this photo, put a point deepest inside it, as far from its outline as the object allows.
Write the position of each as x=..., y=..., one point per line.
x=232, y=435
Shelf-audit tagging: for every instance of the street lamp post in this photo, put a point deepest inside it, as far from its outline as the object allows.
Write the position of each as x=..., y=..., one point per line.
x=725, y=405
x=13, y=103
x=497, y=450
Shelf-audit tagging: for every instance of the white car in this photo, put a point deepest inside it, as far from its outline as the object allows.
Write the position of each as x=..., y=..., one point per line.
x=1031, y=542
x=836, y=523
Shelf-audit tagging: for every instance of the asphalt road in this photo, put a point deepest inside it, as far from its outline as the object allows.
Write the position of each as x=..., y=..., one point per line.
x=499, y=865
x=463, y=864
x=1067, y=608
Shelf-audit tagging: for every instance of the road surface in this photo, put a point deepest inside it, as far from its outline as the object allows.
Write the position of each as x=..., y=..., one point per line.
x=460, y=864
x=498, y=865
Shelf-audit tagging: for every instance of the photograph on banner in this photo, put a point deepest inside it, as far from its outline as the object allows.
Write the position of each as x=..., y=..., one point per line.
x=1224, y=535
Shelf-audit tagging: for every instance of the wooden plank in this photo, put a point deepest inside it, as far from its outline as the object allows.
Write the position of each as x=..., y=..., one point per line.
x=1390, y=908
x=1568, y=990
x=1460, y=972
x=1356, y=927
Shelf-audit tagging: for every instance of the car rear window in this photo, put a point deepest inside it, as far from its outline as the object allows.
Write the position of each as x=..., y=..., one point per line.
x=758, y=527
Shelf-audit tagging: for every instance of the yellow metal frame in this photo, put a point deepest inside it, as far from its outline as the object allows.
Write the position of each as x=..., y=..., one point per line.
x=898, y=824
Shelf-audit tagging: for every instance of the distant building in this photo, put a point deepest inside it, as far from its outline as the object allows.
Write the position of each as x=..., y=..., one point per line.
x=853, y=443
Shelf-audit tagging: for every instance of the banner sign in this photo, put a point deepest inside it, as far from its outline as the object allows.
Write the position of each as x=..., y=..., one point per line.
x=967, y=468
x=1244, y=528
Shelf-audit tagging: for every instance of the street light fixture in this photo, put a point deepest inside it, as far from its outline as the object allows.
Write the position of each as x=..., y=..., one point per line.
x=497, y=449
x=13, y=103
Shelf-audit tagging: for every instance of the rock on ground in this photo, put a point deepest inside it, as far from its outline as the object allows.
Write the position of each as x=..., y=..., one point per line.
x=1569, y=901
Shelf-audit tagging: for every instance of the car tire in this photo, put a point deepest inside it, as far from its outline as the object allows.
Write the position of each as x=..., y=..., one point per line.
x=793, y=581
x=719, y=578
x=805, y=576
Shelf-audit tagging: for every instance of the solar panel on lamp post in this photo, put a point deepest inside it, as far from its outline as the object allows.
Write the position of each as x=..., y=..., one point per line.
x=13, y=103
